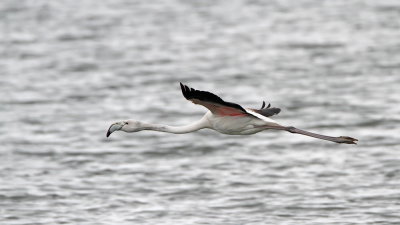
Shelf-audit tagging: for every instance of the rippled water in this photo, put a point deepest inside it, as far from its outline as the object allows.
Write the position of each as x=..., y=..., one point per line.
x=70, y=68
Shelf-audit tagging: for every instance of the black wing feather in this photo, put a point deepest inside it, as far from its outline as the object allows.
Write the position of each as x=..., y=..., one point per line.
x=190, y=93
x=268, y=112
x=263, y=105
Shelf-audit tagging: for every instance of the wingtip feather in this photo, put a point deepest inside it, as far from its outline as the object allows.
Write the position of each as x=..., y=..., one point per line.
x=183, y=90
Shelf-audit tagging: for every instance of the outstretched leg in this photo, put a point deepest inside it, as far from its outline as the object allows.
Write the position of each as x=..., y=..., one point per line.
x=341, y=139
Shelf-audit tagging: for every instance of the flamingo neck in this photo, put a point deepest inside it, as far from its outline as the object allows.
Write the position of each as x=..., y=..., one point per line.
x=203, y=123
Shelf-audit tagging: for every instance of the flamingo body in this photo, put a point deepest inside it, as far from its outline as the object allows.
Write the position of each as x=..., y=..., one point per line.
x=235, y=125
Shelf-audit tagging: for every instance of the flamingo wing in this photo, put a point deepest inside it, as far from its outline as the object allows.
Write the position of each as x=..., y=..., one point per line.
x=212, y=102
x=268, y=111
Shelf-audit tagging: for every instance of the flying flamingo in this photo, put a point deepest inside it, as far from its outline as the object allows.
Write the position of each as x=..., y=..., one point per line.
x=224, y=117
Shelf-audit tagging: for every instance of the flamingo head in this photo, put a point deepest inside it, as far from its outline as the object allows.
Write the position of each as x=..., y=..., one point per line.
x=127, y=126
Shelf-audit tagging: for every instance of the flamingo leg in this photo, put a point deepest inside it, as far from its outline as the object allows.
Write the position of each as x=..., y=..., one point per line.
x=340, y=139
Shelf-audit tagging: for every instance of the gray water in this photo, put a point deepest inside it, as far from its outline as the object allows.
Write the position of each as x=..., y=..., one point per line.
x=68, y=69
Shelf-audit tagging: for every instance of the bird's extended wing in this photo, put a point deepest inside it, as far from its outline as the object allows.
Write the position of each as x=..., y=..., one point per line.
x=212, y=102
x=267, y=111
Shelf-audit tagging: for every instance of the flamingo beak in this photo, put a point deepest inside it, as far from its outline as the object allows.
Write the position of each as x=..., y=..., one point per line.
x=114, y=127
x=108, y=132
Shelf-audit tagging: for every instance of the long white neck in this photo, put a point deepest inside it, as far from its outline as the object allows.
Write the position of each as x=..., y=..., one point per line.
x=200, y=124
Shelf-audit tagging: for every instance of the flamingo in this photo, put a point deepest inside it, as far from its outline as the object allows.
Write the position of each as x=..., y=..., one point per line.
x=224, y=117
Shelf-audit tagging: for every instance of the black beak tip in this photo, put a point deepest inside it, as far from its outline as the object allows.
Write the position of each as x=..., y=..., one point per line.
x=108, y=133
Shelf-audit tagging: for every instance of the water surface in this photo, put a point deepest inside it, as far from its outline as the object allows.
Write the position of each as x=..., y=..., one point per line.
x=69, y=69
